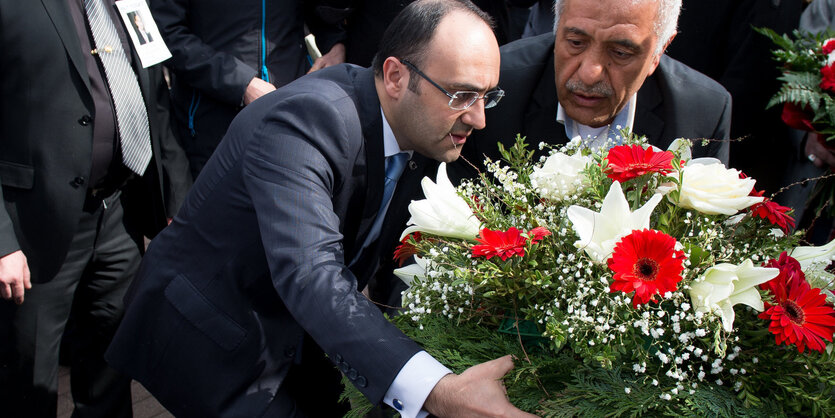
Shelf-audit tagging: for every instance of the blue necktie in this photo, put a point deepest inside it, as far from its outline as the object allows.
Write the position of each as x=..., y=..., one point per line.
x=394, y=168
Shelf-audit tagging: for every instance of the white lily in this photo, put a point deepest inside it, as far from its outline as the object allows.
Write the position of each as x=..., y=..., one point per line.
x=412, y=271
x=600, y=231
x=681, y=147
x=443, y=212
x=725, y=285
x=815, y=257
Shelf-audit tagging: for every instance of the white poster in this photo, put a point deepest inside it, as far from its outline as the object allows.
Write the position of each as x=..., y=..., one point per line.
x=143, y=32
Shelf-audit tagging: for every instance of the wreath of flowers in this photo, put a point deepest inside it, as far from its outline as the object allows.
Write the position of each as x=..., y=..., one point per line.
x=628, y=281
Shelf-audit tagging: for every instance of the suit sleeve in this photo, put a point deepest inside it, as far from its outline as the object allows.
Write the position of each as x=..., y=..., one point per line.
x=176, y=177
x=293, y=170
x=221, y=75
x=327, y=33
x=8, y=239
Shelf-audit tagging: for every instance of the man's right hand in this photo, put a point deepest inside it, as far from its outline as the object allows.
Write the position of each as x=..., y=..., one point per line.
x=478, y=392
x=14, y=276
x=255, y=89
x=817, y=152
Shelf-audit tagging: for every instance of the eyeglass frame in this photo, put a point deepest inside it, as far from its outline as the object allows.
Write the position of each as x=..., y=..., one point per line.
x=453, y=96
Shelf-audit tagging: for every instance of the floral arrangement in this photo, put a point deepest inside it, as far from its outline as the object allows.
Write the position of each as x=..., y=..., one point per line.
x=626, y=282
x=808, y=90
x=807, y=94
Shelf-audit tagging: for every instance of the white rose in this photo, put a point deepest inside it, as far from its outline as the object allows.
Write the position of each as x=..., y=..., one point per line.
x=443, y=212
x=709, y=187
x=560, y=176
x=725, y=285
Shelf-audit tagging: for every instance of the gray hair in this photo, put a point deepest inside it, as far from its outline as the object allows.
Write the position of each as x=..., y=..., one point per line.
x=666, y=19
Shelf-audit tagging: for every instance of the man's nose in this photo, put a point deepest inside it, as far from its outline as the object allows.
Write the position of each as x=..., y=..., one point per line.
x=591, y=68
x=474, y=116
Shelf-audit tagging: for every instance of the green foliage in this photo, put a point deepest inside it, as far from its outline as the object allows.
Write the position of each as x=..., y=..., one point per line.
x=801, y=58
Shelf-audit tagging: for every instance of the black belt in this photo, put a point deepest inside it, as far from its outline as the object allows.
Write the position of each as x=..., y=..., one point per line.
x=107, y=189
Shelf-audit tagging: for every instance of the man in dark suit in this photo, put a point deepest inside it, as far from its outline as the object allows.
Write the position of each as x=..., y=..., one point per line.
x=225, y=54
x=601, y=71
x=73, y=214
x=259, y=274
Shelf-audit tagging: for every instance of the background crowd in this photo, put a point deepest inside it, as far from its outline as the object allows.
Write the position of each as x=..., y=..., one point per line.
x=93, y=164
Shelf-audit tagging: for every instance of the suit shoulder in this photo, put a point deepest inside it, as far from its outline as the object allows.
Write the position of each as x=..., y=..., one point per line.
x=680, y=76
x=527, y=52
x=329, y=84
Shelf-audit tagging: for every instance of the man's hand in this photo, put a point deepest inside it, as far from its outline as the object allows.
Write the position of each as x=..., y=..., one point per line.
x=478, y=392
x=818, y=154
x=14, y=276
x=256, y=89
x=335, y=56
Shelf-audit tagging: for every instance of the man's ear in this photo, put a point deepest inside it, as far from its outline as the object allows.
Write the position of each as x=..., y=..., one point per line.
x=657, y=58
x=395, y=77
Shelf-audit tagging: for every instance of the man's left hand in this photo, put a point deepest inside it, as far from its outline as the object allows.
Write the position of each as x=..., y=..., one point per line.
x=818, y=153
x=335, y=56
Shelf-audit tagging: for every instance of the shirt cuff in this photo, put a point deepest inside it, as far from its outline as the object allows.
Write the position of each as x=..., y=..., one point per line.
x=412, y=385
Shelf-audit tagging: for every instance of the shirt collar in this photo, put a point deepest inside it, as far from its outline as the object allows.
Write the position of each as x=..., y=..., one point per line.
x=625, y=119
x=390, y=145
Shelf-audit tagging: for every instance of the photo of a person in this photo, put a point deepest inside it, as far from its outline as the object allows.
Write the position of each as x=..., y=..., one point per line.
x=139, y=26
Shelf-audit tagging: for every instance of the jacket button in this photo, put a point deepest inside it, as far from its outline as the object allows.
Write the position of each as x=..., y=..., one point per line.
x=352, y=374
x=290, y=352
x=85, y=120
x=361, y=382
x=77, y=182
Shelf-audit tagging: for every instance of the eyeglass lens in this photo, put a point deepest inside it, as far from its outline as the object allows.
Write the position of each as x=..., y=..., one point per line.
x=464, y=99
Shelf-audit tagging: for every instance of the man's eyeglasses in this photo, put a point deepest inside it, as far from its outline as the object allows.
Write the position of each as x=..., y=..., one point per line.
x=461, y=100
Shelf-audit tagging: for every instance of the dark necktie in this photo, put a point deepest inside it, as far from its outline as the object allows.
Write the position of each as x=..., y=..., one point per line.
x=131, y=115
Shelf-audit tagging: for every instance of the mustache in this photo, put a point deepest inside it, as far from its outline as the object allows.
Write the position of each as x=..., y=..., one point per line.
x=597, y=89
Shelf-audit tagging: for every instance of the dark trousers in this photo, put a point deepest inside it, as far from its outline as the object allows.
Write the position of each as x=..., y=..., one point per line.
x=90, y=285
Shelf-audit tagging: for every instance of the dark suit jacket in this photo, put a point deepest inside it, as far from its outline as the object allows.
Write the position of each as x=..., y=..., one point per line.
x=46, y=138
x=218, y=46
x=674, y=102
x=257, y=256
x=717, y=38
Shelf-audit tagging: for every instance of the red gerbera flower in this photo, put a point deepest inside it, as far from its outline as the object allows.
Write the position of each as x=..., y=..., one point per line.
x=801, y=317
x=829, y=46
x=647, y=262
x=538, y=233
x=630, y=161
x=776, y=214
x=789, y=272
x=503, y=244
x=828, y=77
x=406, y=249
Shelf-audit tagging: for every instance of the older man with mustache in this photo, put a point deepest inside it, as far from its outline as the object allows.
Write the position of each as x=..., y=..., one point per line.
x=602, y=70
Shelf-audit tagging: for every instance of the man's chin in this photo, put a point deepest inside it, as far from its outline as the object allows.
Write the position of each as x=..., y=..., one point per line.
x=589, y=117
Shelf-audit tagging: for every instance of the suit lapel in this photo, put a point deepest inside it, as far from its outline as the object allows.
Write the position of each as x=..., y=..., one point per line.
x=59, y=13
x=374, y=164
x=647, y=121
x=541, y=115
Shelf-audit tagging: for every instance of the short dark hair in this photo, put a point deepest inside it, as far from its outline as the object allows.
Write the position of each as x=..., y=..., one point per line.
x=409, y=34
